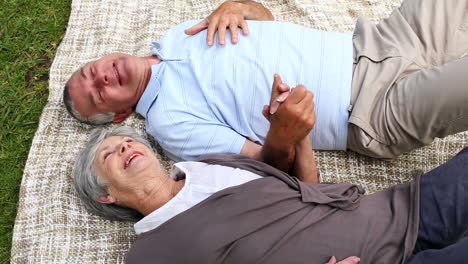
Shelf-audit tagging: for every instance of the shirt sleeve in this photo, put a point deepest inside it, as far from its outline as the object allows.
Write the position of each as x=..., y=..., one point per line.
x=190, y=140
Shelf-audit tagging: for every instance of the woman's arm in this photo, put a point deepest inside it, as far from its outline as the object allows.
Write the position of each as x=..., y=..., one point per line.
x=305, y=167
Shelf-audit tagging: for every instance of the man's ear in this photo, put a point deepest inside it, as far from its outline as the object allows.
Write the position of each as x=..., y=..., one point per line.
x=106, y=199
x=119, y=117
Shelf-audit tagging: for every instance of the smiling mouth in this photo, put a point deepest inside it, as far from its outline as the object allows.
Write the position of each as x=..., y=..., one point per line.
x=130, y=158
x=116, y=72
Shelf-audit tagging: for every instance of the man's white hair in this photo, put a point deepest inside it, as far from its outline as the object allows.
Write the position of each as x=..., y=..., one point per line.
x=97, y=119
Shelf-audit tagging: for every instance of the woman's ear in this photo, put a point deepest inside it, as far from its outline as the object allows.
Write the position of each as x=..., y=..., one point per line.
x=106, y=199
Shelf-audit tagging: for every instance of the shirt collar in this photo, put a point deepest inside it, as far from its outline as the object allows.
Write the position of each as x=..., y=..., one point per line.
x=155, y=218
x=151, y=92
x=165, y=52
x=154, y=85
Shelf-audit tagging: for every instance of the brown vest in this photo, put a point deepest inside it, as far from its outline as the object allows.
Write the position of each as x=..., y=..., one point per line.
x=278, y=219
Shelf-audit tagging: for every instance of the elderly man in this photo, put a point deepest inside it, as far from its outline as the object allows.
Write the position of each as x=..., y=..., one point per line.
x=388, y=89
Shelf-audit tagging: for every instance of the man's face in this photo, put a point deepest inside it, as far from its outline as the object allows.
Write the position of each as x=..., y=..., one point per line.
x=113, y=83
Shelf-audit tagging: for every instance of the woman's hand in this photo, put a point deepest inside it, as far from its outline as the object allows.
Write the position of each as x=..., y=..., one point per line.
x=349, y=260
x=279, y=93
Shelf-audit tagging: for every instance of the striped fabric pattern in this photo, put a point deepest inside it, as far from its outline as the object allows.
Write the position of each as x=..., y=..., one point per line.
x=52, y=225
x=211, y=98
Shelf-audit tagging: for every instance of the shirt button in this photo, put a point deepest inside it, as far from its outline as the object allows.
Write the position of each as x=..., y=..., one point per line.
x=156, y=45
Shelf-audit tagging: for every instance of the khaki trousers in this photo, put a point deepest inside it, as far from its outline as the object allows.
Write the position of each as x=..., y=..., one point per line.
x=410, y=79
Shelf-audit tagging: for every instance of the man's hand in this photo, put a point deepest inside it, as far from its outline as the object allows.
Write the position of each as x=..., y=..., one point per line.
x=349, y=260
x=232, y=15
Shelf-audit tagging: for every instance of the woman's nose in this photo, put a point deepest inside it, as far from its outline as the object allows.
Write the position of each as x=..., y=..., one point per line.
x=123, y=147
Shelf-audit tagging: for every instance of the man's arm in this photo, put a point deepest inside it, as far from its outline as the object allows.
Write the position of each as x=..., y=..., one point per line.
x=232, y=15
x=252, y=149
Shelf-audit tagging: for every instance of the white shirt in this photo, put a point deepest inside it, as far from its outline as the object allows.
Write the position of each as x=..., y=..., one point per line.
x=201, y=181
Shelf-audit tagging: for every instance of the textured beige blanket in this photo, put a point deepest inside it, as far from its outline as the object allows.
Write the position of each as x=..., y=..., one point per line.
x=53, y=227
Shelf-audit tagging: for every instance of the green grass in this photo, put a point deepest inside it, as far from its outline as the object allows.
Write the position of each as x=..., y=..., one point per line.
x=30, y=32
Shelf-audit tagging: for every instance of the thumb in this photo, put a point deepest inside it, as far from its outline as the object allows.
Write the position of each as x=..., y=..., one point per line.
x=266, y=112
x=332, y=260
x=350, y=260
x=278, y=100
x=275, y=91
x=197, y=28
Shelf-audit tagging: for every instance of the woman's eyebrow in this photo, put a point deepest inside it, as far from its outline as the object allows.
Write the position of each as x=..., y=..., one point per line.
x=107, y=147
x=99, y=151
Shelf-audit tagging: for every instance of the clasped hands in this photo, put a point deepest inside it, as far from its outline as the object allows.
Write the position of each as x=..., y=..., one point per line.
x=291, y=120
x=292, y=117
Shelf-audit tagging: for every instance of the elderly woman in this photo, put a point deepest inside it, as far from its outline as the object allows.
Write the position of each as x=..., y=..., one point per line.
x=231, y=209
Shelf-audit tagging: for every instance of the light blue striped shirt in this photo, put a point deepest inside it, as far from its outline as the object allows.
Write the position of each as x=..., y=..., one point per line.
x=203, y=99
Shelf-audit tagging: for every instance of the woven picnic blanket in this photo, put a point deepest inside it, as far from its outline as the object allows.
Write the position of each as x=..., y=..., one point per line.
x=52, y=225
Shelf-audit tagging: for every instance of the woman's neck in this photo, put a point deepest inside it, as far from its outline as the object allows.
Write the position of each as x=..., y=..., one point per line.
x=160, y=194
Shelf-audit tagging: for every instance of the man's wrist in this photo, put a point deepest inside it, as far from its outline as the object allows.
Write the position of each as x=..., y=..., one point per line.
x=278, y=138
x=282, y=159
x=304, y=144
x=278, y=154
x=279, y=149
x=252, y=10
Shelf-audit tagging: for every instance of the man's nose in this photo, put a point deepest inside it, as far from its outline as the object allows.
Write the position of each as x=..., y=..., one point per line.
x=101, y=78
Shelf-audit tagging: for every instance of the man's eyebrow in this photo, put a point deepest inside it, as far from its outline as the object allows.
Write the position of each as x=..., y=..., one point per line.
x=82, y=72
x=91, y=99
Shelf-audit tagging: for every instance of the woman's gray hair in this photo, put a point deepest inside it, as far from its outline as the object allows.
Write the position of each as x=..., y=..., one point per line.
x=97, y=119
x=89, y=186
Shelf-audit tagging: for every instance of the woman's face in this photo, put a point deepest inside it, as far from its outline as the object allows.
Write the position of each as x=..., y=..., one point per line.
x=127, y=165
